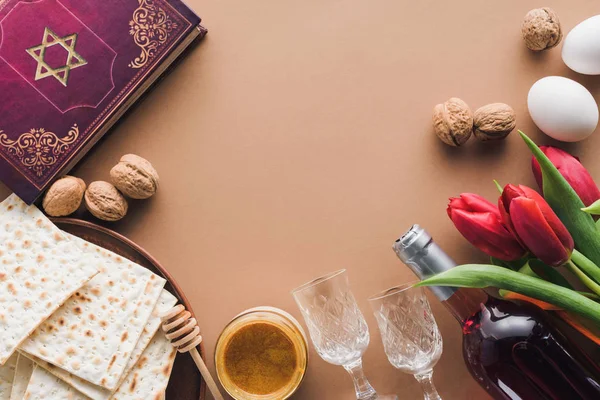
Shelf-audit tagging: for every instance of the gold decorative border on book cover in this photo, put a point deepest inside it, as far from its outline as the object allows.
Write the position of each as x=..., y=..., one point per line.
x=150, y=28
x=39, y=149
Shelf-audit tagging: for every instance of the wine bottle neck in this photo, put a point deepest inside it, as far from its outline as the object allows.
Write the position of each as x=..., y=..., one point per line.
x=465, y=302
x=425, y=258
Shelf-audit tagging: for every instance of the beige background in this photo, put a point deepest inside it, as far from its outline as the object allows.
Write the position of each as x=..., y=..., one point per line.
x=296, y=140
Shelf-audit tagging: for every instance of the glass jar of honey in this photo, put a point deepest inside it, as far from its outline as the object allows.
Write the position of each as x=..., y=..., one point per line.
x=262, y=354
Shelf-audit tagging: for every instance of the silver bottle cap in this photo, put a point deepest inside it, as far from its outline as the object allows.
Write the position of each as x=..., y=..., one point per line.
x=424, y=257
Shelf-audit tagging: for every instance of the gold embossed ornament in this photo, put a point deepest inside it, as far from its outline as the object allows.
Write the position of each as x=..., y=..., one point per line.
x=39, y=149
x=150, y=28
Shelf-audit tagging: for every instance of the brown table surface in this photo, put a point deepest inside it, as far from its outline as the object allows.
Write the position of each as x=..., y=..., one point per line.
x=296, y=140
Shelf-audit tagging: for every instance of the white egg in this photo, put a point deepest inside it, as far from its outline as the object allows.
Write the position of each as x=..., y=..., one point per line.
x=581, y=47
x=562, y=108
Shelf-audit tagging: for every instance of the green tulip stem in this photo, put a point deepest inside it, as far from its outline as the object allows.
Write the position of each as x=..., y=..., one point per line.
x=589, y=283
x=591, y=296
x=586, y=265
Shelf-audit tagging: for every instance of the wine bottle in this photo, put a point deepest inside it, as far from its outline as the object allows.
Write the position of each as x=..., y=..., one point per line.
x=511, y=349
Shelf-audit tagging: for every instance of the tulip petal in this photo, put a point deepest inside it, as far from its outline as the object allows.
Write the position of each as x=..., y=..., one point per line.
x=455, y=203
x=484, y=231
x=572, y=170
x=505, y=218
x=537, y=235
x=551, y=218
x=509, y=193
x=472, y=202
x=566, y=203
x=478, y=203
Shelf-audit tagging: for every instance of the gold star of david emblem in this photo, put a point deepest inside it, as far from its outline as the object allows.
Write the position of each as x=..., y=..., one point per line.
x=44, y=70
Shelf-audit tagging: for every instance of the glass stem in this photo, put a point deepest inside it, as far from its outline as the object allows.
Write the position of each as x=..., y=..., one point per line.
x=427, y=385
x=362, y=387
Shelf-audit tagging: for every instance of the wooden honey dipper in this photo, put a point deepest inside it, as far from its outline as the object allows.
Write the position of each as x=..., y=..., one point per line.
x=183, y=332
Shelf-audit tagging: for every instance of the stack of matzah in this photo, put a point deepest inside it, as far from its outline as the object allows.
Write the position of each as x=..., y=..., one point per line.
x=83, y=319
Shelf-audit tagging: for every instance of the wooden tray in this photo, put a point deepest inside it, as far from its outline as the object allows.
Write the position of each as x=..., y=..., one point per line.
x=186, y=382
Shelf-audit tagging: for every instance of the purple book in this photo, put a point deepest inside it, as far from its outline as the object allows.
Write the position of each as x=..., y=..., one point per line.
x=69, y=69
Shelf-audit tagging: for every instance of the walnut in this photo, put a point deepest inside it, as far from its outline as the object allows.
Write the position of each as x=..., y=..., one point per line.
x=541, y=29
x=64, y=196
x=494, y=121
x=135, y=177
x=105, y=202
x=453, y=122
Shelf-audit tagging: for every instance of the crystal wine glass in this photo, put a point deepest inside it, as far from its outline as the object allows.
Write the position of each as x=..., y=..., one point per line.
x=411, y=338
x=337, y=328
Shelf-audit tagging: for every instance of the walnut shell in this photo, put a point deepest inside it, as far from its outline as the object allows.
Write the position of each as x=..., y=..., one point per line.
x=135, y=177
x=64, y=196
x=453, y=122
x=541, y=29
x=105, y=202
x=493, y=121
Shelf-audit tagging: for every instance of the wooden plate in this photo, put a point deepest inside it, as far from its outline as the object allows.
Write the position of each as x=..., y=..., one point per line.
x=186, y=382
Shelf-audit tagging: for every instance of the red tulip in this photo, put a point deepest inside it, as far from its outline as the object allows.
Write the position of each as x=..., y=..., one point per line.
x=528, y=215
x=479, y=221
x=572, y=170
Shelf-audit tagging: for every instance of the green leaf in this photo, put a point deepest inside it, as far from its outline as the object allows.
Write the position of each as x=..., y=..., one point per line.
x=567, y=205
x=482, y=276
x=593, y=209
x=586, y=265
x=549, y=274
x=500, y=189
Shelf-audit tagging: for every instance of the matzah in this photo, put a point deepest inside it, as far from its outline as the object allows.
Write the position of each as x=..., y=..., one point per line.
x=39, y=270
x=166, y=301
x=147, y=380
x=22, y=376
x=45, y=386
x=7, y=373
x=93, y=334
x=150, y=376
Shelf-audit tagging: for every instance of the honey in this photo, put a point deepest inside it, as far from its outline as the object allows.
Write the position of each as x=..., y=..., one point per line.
x=262, y=354
x=260, y=358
